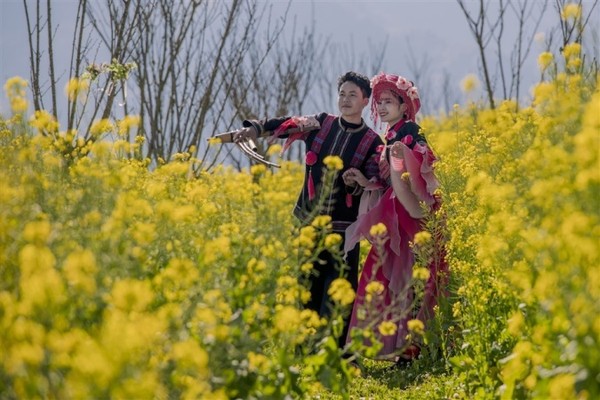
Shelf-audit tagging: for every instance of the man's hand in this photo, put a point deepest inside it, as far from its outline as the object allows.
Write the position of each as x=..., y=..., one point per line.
x=244, y=134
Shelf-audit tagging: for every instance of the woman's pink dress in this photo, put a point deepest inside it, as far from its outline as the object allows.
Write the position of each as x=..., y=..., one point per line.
x=394, y=268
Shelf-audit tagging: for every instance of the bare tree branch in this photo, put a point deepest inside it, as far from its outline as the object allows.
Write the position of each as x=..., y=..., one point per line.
x=477, y=27
x=34, y=54
x=51, y=58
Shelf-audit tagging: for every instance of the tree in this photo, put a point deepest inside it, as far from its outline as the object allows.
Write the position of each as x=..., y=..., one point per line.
x=107, y=77
x=282, y=85
x=574, y=27
x=572, y=30
x=188, y=62
x=488, y=28
x=188, y=57
x=524, y=13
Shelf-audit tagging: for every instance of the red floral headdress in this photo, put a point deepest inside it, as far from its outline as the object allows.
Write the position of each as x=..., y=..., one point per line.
x=401, y=87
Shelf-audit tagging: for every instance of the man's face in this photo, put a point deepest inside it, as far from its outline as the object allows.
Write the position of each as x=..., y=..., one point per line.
x=351, y=101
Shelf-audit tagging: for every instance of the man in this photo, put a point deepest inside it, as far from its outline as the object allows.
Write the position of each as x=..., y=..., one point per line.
x=348, y=137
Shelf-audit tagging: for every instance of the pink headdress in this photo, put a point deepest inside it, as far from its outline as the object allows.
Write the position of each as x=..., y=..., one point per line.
x=401, y=87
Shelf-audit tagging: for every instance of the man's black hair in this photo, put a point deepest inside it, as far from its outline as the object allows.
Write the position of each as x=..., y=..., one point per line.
x=360, y=80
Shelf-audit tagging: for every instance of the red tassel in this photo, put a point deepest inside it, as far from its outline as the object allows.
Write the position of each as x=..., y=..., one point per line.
x=348, y=200
x=311, y=185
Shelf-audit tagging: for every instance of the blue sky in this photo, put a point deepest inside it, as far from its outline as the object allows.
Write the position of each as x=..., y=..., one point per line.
x=435, y=30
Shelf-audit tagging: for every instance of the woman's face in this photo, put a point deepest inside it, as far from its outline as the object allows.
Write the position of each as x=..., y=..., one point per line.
x=389, y=108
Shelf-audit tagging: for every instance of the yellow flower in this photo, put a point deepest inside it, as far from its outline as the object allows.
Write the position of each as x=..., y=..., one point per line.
x=189, y=355
x=306, y=267
x=405, y=176
x=219, y=247
x=258, y=169
x=530, y=381
x=416, y=326
x=307, y=237
x=421, y=273
x=212, y=141
x=387, y=328
x=15, y=86
x=15, y=91
x=18, y=105
x=255, y=266
x=131, y=295
x=44, y=122
x=332, y=240
x=287, y=319
x=274, y=149
x=322, y=221
x=516, y=324
x=37, y=232
x=101, y=126
x=469, y=83
x=562, y=386
x=572, y=50
x=311, y=319
x=333, y=163
x=80, y=269
x=285, y=281
x=571, y=10
x=544, y=60
x=75, y=88
x=258, y=363
x=205, y=317
x=374, y=287
x=422, y=238
x=40, y=283
x=341, y=292
x=304, y=295
x=183, y=213
x=543, y=92
x=143, y=233
x=574, y=63
x=378, y=229
x=128, y=122
x=35, y=259
x=288, y=290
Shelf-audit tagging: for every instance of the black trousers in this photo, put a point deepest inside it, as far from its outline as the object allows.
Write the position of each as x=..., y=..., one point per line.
x=321, y=278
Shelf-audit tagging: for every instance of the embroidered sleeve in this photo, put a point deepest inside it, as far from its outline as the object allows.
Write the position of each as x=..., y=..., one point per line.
x=278, y=127
x=303, y=125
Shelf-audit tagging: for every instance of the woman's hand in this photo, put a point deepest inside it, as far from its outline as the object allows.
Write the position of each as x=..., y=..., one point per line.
x=353, y=176
x=396, y=150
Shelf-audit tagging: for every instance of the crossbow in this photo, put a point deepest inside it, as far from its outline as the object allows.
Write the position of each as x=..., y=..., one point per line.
x=296, y=125
x=247, y=146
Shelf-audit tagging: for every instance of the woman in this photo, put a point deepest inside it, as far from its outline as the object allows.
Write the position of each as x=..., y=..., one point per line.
x=386, y=291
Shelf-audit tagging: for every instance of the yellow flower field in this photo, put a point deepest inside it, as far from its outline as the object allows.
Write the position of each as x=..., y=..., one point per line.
x=522, y=193
x=120, y=280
